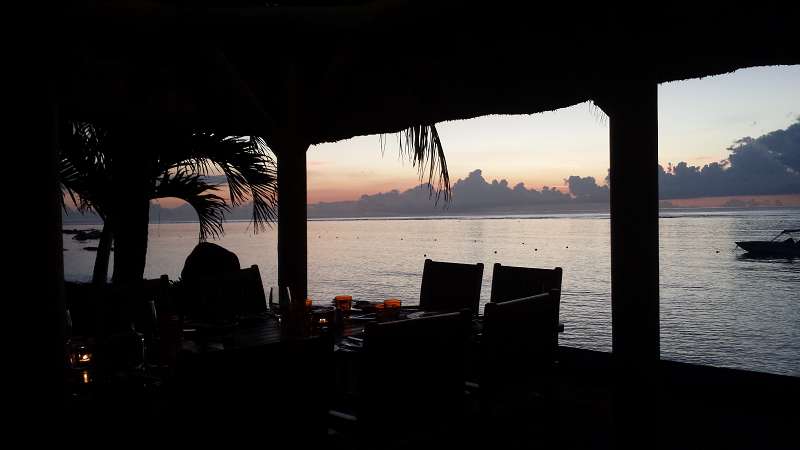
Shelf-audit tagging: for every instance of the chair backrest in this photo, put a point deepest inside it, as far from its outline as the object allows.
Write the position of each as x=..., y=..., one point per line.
x=105, y=309
x=247, y=290
x=509, y=282
x=414, y=369
x=227, y=295
x=154, y=299
x=520, y=339
x=450, y=286
x=275, y=393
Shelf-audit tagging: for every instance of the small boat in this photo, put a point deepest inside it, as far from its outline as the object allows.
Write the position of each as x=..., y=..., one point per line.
x=775, y=247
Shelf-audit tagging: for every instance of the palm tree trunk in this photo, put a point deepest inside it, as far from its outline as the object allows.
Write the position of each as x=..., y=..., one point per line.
x=100, y=273
x=130, y=211
x=130, y=236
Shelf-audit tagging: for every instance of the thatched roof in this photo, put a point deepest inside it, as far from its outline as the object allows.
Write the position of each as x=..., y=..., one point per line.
x=347, y=68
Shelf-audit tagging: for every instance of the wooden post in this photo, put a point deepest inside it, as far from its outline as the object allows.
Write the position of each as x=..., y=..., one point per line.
x=633, y=110
x=292, y=228
x=634, y=223
x=35, y=289
x=290, y=148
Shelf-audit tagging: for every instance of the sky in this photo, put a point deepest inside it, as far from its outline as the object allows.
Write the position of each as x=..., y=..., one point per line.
x=698, y=120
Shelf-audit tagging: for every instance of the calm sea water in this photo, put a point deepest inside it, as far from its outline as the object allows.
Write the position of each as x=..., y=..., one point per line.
x=717, y=307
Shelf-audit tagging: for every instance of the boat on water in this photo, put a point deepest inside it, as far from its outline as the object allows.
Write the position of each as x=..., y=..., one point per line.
x=776, y=247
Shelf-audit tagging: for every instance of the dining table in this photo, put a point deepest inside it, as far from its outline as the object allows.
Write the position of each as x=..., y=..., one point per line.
x=199, y=341
x=267, y=328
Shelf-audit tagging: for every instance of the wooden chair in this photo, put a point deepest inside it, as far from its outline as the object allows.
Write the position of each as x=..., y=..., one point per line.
x=412, y=381
x=247, y=290
x=226, y=296
x=448, y=286
x=518, y=350
x=154, y=299
x=509, y=282
x=97, y=310
x=276, y=394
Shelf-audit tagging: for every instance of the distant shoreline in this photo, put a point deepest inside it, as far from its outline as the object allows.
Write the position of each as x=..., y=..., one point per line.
x=663, y=213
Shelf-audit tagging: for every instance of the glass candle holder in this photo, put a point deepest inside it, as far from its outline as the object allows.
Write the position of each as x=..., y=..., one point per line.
x=81, y=355
x=343, y=302
x=384, y=313
x=392, y=303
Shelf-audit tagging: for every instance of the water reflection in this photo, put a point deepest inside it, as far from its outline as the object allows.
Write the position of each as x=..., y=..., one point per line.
x=718, y=306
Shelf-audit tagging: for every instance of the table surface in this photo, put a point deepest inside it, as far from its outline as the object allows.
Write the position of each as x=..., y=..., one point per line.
x=265, y=329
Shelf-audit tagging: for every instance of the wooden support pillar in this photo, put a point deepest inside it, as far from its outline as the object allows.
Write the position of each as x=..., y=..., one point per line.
x=292, y=228
x=633, y=111
x=35, y=289
x=634, y=223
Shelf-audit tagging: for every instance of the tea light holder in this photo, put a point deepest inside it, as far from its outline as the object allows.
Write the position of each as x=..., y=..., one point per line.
x=81, y=356
x=392, y=303
x=343, y=302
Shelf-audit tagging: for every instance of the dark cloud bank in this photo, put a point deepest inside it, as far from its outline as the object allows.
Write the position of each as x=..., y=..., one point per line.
x=472, y=194
x=769, y=164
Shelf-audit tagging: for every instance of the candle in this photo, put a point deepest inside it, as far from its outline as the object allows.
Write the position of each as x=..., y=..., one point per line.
x=85, y=377
x=84, y=357
x=80, y=356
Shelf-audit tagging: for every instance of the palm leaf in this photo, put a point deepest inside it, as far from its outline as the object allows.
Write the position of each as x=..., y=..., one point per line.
x=421, y=145
x=248, y=167
x=83, y=169
x=190, y=188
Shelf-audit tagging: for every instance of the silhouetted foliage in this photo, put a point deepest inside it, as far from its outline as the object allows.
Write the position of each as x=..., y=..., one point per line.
x=177, y=163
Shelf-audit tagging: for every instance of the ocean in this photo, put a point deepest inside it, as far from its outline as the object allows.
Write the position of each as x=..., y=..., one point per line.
x=718, y=307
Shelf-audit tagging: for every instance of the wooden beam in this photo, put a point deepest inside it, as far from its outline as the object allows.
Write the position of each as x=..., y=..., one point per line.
x=240, y=85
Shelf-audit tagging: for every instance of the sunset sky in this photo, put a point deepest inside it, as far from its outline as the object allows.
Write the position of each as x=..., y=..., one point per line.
x=698, y=120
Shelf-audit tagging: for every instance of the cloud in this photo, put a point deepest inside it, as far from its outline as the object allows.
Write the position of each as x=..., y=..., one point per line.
x=586, y=189
x=769, y=164
x=470, y=195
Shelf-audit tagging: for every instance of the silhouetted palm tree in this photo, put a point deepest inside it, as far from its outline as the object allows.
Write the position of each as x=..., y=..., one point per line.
x=116, y=171
x=102, y=168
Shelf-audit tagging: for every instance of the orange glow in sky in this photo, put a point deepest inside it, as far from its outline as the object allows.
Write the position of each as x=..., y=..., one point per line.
x=698, y=120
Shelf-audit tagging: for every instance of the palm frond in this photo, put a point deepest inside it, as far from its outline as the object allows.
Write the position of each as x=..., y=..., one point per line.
x=210, y=208
x=421, y=145
x=248, y=166
x=83, y=168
